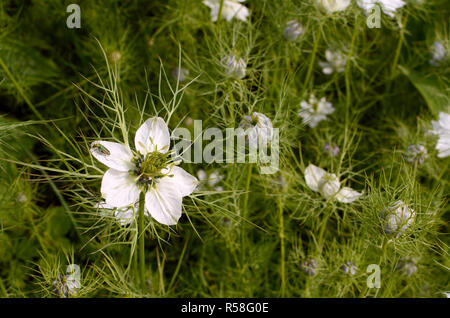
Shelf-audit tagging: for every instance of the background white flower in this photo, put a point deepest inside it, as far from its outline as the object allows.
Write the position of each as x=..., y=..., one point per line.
x=388, y=6
x=397, y=218
x=211, y=179
x=257, y=128
x=415, y=154
x=314, y=111
x=293, y=30
x=180, y=74
x=336, y=62
x=148, y=170
x=441, y=128
x=66, y=286
x=407, y=265
x=437, y=53
x=331, y=6
x=327, y=184
x=231, y=9
x=234, y=66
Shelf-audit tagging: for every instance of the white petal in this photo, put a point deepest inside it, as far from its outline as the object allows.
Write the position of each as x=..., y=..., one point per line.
x=125, y=215
x=347, y=195
x=113, y=155
x=314, y=176
x=327, y=70
x=163, y=202
x=329, y=185
x=181, y=180
x=119, y=189
x=153, y=135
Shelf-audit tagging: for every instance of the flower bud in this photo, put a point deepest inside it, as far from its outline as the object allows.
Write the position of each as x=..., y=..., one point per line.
x=234, y=66
x=331, y=149
x=293, y=30
x=415, y=154
x=397, y=218
x=309, y=267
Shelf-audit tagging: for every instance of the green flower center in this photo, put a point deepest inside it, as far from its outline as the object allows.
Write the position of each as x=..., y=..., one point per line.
x=152, y=164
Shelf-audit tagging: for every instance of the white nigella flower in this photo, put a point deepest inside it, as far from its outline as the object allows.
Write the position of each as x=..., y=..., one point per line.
x=147, y=169
x=437, y=53
x=234, y=66
x=293, y=30
x=231, y=9
x=331, y=6
x=314, y=111
x=388, y=6
x=212, y=179
x=397, y=218
x=65, y=286
x=349, y=268
x=180, y=74
x=328, y=185
x=415, y=154
x=407, y=265
x=441, y=128
x=336, y=62
x=257, y=128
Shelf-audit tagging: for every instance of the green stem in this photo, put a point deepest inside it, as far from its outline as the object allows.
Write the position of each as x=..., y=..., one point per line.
x=399, y=48
x=21, y=92
x=219, y=15
x=3, y=289
x=244, y=209
x=141, y=237
x=311, y=64
x=283, y=266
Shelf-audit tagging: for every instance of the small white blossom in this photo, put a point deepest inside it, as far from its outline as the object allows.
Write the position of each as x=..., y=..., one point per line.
x=437, y=53
x=407, y=265
x=180, y=74
x=257, y=128
x=66, y=286
x=336, y=62
x=447, y=294
x=293, y=30
x=349, y=268
x=415, y=154
x=388, y=6
x=314, y=111
x=234, y=66
x=211, y=179
x=327, y=184
x=230, y=9
x=331, y=6
x=147, y=169
x=441, y=128
x=397, y=218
